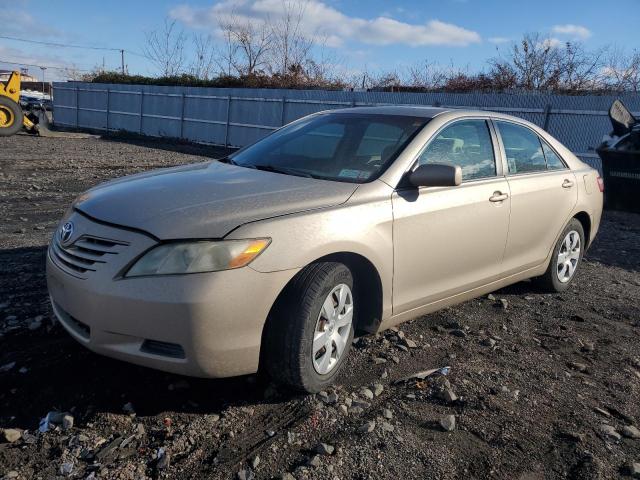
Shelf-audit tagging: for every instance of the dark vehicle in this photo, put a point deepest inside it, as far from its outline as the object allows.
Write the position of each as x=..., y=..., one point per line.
x=621, y=160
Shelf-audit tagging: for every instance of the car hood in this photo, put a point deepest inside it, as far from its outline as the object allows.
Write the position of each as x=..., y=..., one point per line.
x=206, y=200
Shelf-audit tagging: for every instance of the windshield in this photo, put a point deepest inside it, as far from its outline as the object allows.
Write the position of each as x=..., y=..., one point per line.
x=345, y=147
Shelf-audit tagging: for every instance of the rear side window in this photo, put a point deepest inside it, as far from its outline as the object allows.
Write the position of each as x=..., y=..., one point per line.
x=523, y=148
x=466, y=144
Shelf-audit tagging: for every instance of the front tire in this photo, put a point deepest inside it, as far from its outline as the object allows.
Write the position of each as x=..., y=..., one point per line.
x=10, y=117
x=310, y=330
x=565, y=260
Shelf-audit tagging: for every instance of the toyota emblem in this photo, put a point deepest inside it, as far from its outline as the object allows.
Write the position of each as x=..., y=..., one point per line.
x=66, y=231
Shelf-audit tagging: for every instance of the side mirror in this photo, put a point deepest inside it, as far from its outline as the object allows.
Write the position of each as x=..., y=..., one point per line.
x=436, y=175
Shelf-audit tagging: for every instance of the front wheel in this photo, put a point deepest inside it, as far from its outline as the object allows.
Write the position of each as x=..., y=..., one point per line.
x=10, y=117
x=565, y=259
x=310, y=331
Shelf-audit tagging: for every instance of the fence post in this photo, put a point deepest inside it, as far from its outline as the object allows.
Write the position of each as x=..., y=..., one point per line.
x=226, y=130
x=107, y=122
x=547, y=114
x=282, y=112
x=182, y=118
x=77, y=106
x=141, y=109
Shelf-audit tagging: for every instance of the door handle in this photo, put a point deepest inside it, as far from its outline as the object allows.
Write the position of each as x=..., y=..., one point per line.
x=498, y=197
x=567, y=183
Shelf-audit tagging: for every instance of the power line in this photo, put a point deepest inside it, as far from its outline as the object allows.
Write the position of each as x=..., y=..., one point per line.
x=64, y=45
x=23, y=64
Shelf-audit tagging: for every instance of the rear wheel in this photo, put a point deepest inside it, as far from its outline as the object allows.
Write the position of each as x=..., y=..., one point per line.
x=311, y=328
x=10, y=117
x=565, y=259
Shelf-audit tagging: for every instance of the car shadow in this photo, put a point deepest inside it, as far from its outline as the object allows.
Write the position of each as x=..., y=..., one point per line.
x=170, y=145
x=45, y=369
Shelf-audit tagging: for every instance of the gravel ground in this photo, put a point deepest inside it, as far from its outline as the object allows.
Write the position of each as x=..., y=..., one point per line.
x=540, y=386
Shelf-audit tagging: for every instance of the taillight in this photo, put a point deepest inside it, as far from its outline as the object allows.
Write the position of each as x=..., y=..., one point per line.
x=600, y=183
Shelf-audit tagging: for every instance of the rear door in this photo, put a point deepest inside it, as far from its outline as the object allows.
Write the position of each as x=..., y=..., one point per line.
x=447, y=240
x=543, y=194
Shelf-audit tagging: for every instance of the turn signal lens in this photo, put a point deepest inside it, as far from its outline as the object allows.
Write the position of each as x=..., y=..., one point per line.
x=248, y=254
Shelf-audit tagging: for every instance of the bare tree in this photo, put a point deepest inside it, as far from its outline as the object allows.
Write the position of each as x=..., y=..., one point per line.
x=205, y=56
x=165, y=48
x=249, y=44
x=292, y=46
x=427, y=75
x=621, y=72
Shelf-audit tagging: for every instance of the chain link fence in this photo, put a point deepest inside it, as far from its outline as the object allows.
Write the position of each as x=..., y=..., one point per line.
x=240, y=116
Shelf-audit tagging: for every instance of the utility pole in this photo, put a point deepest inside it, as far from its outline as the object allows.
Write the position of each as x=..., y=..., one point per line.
x=122, y=59
x=43, y=91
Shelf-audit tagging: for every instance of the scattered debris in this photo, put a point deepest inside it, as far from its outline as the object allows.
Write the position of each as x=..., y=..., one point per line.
x=448, y=423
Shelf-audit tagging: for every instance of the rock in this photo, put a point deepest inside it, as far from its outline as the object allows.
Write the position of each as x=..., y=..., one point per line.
x=367, y=427
x=365, y=392
x=388, y=414
x=448, y=423
x=164, y=461
x=491, y=297
x=343, y=409
x=315, y=461
x=588, y=347
x=488, y=342
x=448, y=395
x=384, y=374
x=7, y=366
x=360, y=403
x=12, y=474
x=609, y=432
x=458, y=333
x=378, y=388
x=379, y=360
x=255, y=462
x=245, y=474
x=387, y=427
x=632, y=470
x=410, y=343
x=324, y=449
x=630, y=431
x=356, y=410
x=602, y=411
x=287, y=476
x=35, y=325
x=580, y=367
x=67, y=422
x=11, y=435
x=503, y=303
x=66, y=468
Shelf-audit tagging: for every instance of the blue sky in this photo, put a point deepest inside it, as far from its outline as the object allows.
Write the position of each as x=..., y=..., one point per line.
x=373, y=34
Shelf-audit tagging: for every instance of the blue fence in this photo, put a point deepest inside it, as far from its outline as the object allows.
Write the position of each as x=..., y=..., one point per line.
x=239, y=116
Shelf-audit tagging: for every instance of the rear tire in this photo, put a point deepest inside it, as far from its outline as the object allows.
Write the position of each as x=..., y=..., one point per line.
x=314, y=315
x=13, y=113
x=565, y=259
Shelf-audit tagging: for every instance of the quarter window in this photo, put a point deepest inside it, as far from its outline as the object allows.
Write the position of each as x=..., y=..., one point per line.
x=466, y=144
x=523, y=148
x=553, y=161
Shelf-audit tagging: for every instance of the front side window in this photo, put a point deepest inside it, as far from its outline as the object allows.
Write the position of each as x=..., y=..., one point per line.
x=347, y=147
x=523, y=148
x=466, y=144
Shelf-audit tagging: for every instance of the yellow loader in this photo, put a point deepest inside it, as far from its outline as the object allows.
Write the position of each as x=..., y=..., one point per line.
x=12, y=119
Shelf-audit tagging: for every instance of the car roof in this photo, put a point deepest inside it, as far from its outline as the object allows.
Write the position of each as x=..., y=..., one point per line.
x=407, y=110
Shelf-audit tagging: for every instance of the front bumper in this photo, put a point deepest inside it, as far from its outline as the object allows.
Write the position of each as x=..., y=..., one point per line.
x=204, y=325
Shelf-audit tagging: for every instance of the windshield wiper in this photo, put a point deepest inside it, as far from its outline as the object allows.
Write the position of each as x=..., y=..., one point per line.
x=228, y=160
x=287, y=171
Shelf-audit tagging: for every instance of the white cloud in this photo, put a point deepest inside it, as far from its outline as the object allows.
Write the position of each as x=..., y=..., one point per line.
x=498, y=40
x=333, y=26
x=575, y=32
x=552, y=43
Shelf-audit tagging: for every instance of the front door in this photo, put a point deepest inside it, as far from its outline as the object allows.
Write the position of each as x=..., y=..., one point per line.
x=451, y=239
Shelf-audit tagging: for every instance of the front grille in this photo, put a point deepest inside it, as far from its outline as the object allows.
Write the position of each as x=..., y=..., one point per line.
x=86, y=254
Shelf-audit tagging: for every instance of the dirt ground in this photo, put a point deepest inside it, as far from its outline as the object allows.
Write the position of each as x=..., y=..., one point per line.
x=541, y=386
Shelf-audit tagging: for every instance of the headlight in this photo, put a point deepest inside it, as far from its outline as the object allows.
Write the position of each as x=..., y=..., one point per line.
x=197, y=256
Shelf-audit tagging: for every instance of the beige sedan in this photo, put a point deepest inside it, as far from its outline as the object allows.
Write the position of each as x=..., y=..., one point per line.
x=343, y=221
